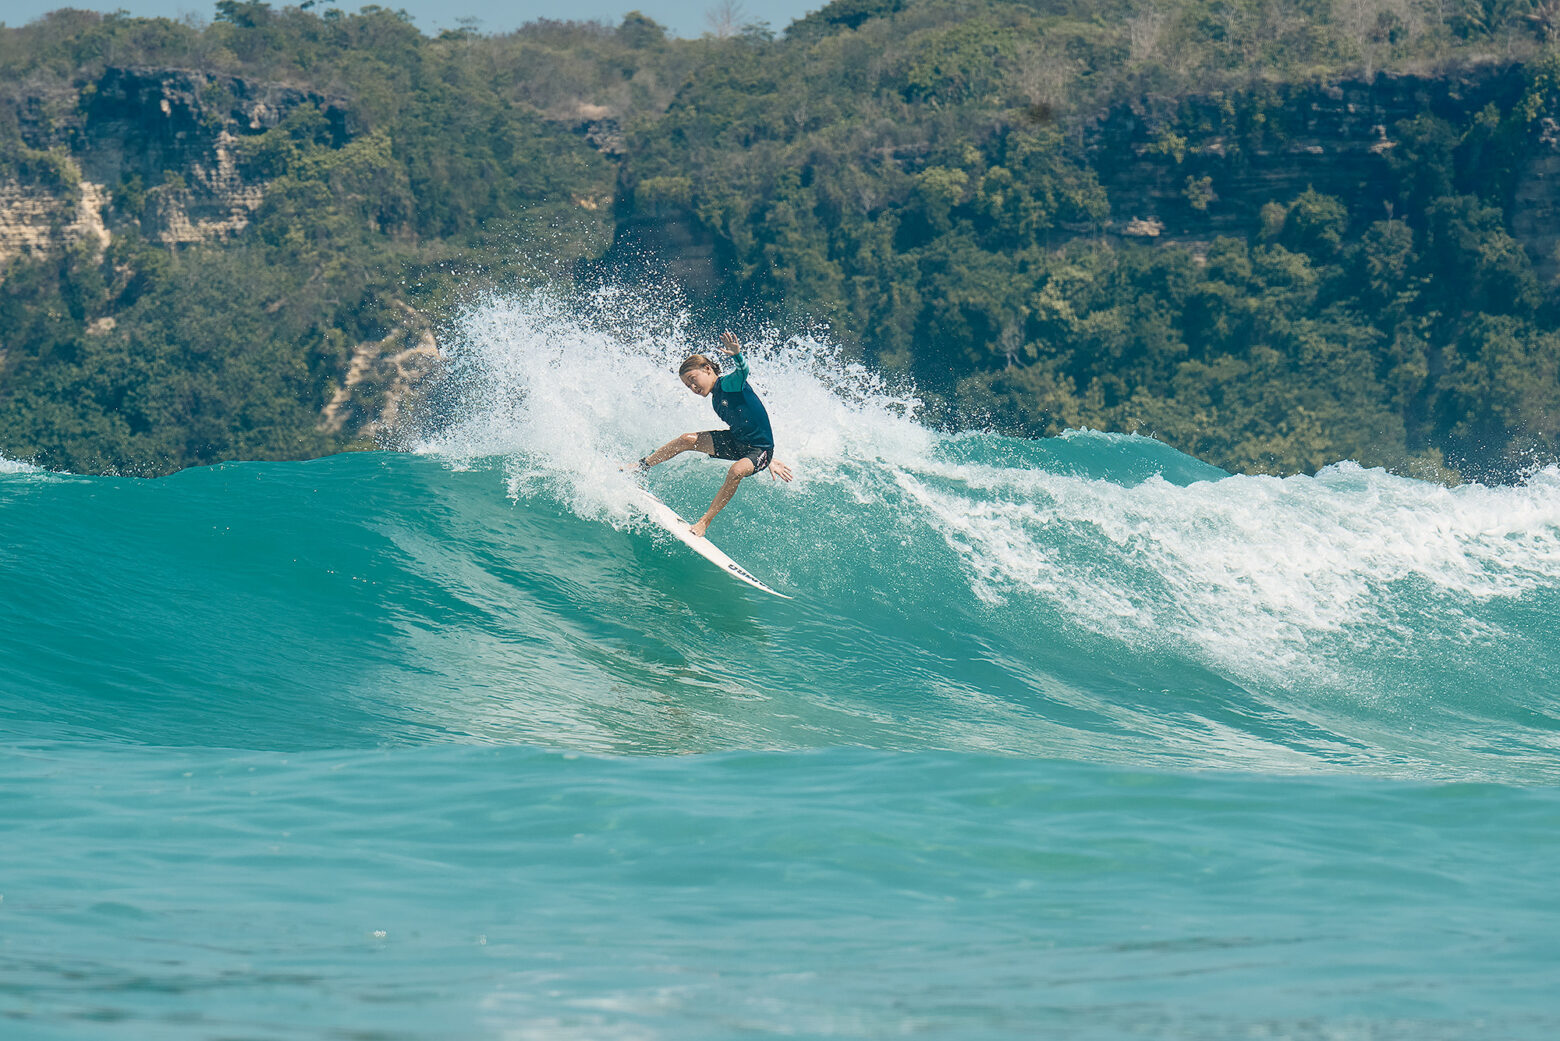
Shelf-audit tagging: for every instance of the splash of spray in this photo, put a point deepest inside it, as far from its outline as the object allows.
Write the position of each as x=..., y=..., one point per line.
x=566, y=391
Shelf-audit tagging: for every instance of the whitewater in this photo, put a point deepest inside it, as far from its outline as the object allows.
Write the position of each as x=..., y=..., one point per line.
x=1078, y=737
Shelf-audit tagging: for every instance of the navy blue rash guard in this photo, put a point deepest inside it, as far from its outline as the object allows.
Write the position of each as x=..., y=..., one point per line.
x=738, y=405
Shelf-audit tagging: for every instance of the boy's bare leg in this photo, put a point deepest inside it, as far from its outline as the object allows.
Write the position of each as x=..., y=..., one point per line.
x=739, y=469
x=678, y=445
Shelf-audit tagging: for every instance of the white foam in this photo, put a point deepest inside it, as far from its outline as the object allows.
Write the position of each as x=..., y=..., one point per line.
x=566, y=392
x=11, y=466
x=1249, y=572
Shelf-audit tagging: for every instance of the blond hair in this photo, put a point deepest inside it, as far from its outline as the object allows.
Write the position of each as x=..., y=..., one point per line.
x=693, y=361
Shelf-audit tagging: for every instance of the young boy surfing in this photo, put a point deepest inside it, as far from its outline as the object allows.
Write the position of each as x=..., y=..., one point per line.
x=749, y=442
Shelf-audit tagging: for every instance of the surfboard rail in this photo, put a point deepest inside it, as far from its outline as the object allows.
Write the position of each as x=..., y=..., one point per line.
x=665, y=517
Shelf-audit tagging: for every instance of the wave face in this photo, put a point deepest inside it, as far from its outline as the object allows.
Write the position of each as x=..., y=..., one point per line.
x=1049, y=727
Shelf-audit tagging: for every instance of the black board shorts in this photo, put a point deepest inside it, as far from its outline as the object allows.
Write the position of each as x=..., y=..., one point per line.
x=728, y=447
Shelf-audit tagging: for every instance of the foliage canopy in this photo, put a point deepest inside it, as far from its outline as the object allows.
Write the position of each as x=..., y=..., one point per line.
x=936, y=182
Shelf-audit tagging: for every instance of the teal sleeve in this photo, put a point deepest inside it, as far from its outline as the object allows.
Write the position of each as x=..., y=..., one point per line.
x=734, y=379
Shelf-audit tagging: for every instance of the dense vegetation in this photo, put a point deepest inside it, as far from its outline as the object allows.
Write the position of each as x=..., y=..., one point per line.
x=919, y=176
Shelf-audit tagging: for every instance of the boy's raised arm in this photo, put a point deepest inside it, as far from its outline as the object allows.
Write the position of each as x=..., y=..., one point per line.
x=733, y=380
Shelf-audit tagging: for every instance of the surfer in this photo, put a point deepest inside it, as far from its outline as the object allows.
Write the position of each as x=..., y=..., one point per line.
x=749, y=442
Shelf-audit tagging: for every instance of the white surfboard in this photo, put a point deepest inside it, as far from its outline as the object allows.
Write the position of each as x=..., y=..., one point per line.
x=667, y=518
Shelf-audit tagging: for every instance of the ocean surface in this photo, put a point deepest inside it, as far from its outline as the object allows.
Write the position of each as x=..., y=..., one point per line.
x=1075, y=738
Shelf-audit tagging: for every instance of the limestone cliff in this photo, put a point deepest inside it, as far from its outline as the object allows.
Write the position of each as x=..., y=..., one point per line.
x=382, y=373
x=36, y=220
x=1187, y=169
x=154, y=150
x=1191, y=168
x=146, y=148
x=158, y=151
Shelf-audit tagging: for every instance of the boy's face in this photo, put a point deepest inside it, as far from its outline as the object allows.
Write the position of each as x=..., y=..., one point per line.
x=700, y=379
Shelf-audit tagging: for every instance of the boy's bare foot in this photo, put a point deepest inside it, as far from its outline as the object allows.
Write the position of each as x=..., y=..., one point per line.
x=700, y=528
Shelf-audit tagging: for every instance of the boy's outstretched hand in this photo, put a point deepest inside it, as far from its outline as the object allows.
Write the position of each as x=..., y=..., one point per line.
x=780, y=470
x=730, y=344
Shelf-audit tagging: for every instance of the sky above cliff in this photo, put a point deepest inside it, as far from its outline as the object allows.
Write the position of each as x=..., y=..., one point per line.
x=681, y=17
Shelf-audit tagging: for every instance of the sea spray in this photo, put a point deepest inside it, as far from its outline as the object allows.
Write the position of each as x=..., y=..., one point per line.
x=567, y=390
x=12, y=466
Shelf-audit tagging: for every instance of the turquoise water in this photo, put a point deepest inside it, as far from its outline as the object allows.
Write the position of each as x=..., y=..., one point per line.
x=1078, y=738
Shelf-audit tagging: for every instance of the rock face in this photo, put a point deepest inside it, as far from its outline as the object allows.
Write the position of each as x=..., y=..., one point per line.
x=35, y=220
x=1535, y=210
x=666, y=241
x=156, y=150
x=381, y=374
x=159, y=144
x=1198, y=167
x=142, y=123
x=1188, y=169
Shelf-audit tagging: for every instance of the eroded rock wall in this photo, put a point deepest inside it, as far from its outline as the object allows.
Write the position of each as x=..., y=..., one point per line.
x=1192, y=168
x=152, y=148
